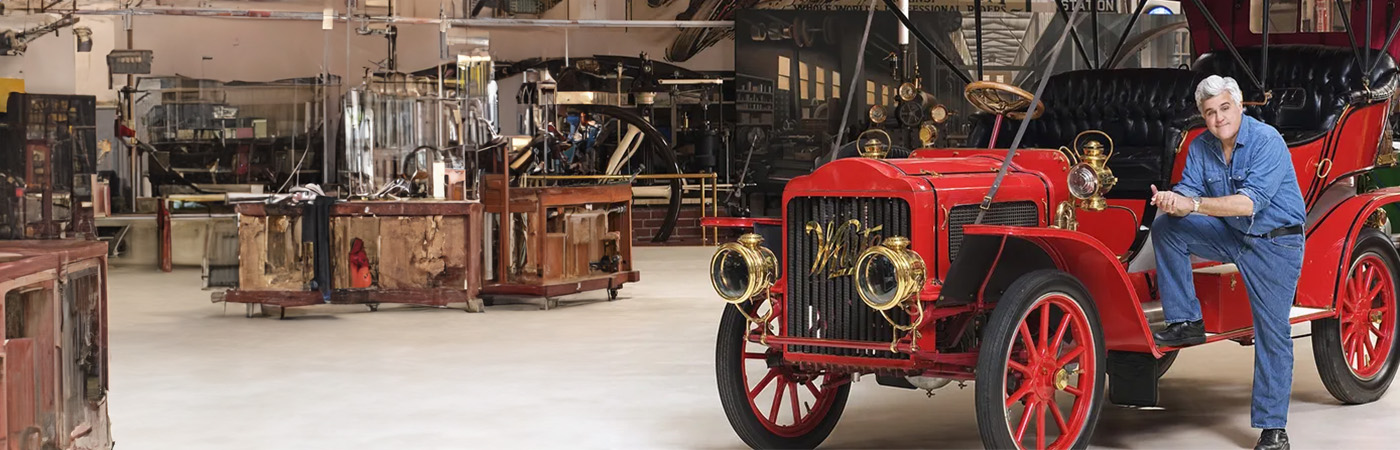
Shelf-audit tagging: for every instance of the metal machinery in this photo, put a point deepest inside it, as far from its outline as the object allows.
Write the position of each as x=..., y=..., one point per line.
x=54, y=357
x=199, y=136
x=47, y=165
x=410, y=227
x=1022, y=268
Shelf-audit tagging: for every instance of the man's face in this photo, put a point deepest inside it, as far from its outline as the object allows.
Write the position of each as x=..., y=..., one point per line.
x=1222, y=116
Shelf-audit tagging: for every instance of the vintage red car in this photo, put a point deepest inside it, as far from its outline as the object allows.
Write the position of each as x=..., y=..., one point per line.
x=877, y=266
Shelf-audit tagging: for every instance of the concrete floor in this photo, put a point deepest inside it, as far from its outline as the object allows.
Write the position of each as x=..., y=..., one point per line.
x=634, y=373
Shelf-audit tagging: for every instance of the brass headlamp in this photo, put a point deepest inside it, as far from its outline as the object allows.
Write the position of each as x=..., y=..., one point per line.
x=1090, y=178
x=890, y=274
x=743, y=269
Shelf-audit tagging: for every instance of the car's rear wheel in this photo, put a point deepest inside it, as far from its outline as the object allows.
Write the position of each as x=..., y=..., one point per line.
x=1165, y=362
x=1356, y=352
x=1040, y=370
x=771, y=404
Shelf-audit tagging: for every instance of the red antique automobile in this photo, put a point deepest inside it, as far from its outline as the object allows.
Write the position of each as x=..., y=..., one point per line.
x=1037, y=284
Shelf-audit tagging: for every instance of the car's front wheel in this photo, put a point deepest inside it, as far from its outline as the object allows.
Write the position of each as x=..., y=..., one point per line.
x=1040, y=370
x=771, y=404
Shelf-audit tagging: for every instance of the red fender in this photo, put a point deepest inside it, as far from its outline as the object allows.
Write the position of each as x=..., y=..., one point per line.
x=1081, y=255
x=1329, y=246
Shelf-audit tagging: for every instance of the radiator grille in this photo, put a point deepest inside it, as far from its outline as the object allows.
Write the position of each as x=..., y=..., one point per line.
x=824, y=307
x=1023, y=214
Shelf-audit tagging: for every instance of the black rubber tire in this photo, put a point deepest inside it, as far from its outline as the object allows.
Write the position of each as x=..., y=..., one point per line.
x=1327, y=338
x=729, y=364
x=992, y=357
x=1165, y=363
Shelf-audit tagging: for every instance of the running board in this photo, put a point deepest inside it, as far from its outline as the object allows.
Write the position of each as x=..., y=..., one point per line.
x=1296, y=315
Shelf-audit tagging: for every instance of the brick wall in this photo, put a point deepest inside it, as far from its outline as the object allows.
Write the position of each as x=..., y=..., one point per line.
x=647, y=220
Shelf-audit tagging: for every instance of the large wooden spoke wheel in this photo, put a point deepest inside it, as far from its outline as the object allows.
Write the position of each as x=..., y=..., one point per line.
x=1002, y=99
x=1356, y=352
x=769, y=404
x=1040, y=370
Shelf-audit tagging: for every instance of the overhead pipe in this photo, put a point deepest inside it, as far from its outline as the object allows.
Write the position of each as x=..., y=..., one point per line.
x=454, y=22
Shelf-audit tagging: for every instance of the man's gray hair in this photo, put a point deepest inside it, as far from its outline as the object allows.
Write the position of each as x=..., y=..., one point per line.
x=1214, y=85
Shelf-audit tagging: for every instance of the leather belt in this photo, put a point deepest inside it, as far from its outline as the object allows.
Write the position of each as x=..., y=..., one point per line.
x=1285, y=231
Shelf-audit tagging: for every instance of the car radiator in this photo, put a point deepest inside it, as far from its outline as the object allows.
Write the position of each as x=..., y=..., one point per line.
x=823, y=306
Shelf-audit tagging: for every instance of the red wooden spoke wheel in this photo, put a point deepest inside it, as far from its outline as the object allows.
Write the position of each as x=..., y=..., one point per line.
x=1040, y=373
x=1356, y=351
x=1367, y=315
x=771, y=404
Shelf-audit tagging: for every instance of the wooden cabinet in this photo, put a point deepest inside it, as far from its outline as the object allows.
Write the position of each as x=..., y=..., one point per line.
x=561, y=240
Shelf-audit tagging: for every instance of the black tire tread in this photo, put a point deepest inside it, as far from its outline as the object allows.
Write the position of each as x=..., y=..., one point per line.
x=991, y=361
x=736, y=407
x=1326, y=336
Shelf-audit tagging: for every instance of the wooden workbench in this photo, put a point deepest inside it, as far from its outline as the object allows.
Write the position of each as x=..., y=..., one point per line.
x=419, y=252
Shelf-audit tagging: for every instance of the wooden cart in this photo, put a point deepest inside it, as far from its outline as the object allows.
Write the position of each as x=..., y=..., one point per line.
x=575, y=239
x=53, y=393
x=416, y=252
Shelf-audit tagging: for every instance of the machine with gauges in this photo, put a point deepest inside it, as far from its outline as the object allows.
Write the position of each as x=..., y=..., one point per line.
x=917, y=121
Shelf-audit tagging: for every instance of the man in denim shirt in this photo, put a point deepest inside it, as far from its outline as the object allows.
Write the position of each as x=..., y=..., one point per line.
x=1238, y=202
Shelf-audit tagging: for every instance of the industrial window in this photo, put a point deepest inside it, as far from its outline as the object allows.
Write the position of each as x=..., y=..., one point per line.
x=821, y=84
x=784, y=73
x=1295, y=16
x=835, y=84
x=804, y=92
x=24, y=308
x=885, y=95
x=870, y=93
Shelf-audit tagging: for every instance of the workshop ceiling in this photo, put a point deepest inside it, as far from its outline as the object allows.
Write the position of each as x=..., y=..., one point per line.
x=1005, y=37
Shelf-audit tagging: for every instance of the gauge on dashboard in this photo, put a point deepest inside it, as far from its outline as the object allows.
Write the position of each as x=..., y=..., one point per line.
x=878, y=114
x=938, y=113
x=907, y=92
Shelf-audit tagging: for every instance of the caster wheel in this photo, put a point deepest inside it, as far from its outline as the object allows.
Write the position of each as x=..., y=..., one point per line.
x=612, y=293
x=373, y=307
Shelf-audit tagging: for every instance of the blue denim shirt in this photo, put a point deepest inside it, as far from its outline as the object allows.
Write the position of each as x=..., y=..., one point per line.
x=1260, y=169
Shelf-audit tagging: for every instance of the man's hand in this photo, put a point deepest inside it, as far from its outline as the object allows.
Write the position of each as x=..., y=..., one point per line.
x=1171, y=202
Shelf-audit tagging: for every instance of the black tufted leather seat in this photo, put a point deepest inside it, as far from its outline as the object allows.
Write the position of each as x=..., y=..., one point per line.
x=1145, y=111
x=1312, y=84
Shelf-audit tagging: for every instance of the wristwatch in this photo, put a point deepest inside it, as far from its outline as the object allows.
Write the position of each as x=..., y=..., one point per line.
x=1196, y=204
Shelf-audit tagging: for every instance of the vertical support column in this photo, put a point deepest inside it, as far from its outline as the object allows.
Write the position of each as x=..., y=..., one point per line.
x=163, y=225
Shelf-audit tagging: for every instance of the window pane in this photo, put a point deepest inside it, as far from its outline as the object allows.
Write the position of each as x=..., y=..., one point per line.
x=870, y=93
x=1283, y=16
x=784, y=66
x=784, y=82
x=821, y=75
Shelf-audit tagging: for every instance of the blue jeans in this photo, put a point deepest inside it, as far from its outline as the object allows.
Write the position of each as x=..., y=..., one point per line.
x=1270, y=268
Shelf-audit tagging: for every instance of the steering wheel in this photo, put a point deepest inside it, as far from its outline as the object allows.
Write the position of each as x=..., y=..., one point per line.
x=1002, y=99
